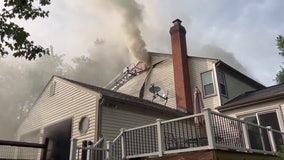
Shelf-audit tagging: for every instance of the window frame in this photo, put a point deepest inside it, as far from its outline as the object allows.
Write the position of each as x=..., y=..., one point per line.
x=224, y=83
x=213, y=84
x=257, y=115
x=261, y=112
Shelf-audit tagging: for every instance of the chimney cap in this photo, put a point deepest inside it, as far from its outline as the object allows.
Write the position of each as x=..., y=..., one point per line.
x=177, y=21
x=177, y=27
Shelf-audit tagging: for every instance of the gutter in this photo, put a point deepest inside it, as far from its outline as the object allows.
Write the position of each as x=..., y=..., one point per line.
x=248, y=103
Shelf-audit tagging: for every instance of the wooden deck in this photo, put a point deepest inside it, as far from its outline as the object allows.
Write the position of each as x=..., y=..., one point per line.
x=215, y=155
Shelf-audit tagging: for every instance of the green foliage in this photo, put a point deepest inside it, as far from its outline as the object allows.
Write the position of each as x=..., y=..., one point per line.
x=13, y=38
x=280, y=45
x=280, y=76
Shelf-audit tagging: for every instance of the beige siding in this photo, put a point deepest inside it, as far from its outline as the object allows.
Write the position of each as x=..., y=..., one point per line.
x=162, y=76
x=68, y=102
x=115, y=118
x=196, y=67
x=235, y=86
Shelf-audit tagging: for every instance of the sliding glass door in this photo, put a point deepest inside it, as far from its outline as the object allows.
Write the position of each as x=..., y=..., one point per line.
x=259, y=137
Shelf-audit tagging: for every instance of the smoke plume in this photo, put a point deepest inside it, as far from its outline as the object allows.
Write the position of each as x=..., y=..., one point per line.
x=131, y=14
x=219, y=53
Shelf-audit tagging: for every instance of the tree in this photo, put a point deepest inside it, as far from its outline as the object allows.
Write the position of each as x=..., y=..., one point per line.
x=280, y=45
x=13, y=38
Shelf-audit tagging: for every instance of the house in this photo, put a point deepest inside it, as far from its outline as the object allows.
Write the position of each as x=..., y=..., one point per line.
x=263, y=107
x=67, y=109
x=173, y=78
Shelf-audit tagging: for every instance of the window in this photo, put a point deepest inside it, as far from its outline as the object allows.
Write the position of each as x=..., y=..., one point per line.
x=207, y=82
x=84, y=125
x=222, y=84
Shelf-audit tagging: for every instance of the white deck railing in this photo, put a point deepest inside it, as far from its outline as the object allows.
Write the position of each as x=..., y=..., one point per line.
x=207, y=130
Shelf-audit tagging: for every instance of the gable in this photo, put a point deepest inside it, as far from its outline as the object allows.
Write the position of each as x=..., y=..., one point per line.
x=68, y=102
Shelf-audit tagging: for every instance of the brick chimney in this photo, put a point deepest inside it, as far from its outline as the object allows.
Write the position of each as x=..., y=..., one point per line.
x=181, y=70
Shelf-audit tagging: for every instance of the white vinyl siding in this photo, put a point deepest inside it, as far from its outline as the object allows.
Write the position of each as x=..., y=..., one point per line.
x=115, y=118
x=68, y=102
x=196, y=67
x=162, y=76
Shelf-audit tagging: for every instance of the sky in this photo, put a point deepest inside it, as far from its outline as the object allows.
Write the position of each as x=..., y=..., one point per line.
x=242, y=31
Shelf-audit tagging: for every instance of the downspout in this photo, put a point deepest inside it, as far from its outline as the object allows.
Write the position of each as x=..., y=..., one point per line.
x=217, y=84
x=98, y=118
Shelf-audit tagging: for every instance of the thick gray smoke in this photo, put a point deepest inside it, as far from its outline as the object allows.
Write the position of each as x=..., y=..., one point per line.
x=131, y=13
x=104, y=61
x=211, y=51
x=21, y=83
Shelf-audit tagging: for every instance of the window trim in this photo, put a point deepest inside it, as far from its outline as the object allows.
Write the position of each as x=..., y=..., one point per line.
x=213, y=82
x=225, y=84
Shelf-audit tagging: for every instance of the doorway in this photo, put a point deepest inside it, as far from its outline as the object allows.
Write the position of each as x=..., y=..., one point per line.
x=259, y=137
x=59, y=136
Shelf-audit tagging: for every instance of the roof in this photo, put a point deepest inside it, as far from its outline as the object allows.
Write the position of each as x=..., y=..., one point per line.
x=235, y=72
x=221, y=64
x=126, y=99
x=254, y=97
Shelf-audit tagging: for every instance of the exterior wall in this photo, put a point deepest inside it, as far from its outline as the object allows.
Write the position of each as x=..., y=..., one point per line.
x=115, y=118
x=277, y=105
x=68, y=102
x=196, y=67
x=235, y=86
x=162, y=76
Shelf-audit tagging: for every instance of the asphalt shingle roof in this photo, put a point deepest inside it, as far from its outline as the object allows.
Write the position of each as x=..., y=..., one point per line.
x=127, y=99
x=269, y=93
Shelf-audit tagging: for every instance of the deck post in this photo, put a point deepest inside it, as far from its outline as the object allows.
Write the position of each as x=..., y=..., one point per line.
x=90, y=153
x=109, y=149
x=73, y=149
x=123, y=146
x=44, y=150
x=246, y=136
x=209, y=128
x=84, y=150
x=160, y=135
x=271, y=139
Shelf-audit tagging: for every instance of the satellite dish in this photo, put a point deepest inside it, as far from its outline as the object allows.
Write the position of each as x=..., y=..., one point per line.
x=154, y=89
x=164, y=95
